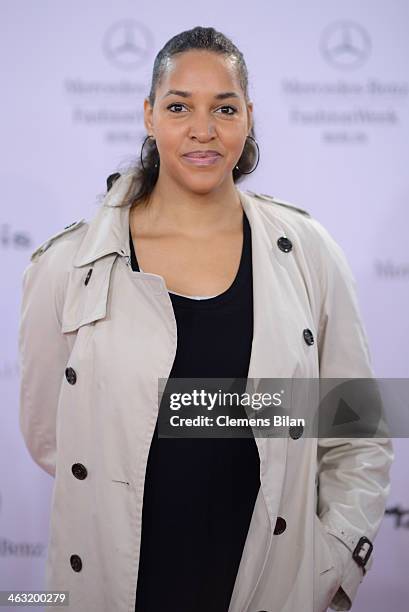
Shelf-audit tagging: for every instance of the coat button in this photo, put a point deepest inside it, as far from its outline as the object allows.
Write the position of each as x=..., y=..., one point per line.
x=296, y=431
x=308, y=336
x=76, y=563
x=284, y=244
x=79, y=471
x=71, y=375
x=88, y=277
x=280, y=525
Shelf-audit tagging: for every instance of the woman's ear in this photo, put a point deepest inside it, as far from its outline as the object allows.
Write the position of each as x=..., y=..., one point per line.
x=250, y=116
x=148, y=116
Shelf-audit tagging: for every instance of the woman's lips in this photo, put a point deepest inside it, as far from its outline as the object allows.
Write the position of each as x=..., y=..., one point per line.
x=202, y=160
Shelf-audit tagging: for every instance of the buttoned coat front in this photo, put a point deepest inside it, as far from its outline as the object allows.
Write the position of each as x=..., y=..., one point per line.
x=94, y=339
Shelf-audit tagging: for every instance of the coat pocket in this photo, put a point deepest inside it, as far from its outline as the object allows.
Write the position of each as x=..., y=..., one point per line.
x=326, y=571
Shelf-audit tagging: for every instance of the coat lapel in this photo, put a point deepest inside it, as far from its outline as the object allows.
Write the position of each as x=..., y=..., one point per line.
x=272, y=354
x=274, y=348
x=89, y=281
x=108, y=230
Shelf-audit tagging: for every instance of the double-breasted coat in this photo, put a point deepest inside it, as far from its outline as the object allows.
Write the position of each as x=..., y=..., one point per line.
x=95, y=337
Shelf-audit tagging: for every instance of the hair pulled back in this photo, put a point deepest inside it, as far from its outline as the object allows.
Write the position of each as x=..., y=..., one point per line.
x=204, y=38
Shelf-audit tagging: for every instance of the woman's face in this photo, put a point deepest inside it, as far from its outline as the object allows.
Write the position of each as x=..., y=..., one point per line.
x=199, y=106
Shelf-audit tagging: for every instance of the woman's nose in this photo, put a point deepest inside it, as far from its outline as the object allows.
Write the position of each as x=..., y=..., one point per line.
x=202, y=126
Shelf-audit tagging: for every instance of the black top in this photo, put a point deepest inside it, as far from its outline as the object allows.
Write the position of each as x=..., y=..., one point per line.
x=200, y=493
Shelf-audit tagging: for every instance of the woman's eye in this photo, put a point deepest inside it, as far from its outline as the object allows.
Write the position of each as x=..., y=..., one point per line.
x=174, y=104
x=231, y=108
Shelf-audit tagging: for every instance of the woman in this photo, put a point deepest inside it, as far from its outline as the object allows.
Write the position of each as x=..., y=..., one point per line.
x=163, y=283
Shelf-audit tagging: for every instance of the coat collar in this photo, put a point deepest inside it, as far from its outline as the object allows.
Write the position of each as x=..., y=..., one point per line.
x=108, y=231
x=273, y=272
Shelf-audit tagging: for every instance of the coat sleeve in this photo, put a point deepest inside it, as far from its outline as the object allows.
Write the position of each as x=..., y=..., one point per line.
x=353, y=473
x=43, y=354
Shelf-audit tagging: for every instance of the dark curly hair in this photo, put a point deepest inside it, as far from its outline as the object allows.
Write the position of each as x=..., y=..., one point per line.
x=208, y=39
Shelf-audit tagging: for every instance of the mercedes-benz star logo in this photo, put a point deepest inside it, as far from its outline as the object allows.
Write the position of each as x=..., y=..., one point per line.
x=127, y=44
x=345, y=45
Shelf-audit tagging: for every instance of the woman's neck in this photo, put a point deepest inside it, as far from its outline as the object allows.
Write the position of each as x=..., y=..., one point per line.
x=174, y=208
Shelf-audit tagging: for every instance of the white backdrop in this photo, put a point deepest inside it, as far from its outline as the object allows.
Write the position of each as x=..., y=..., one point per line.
x=330, y=85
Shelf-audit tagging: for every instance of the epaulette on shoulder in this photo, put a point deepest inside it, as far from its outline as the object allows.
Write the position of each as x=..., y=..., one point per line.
x=47, y=243
x=269, y=198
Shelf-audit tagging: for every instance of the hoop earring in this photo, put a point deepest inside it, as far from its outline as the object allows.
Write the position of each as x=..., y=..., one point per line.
x=258, y=157
x=156, y=163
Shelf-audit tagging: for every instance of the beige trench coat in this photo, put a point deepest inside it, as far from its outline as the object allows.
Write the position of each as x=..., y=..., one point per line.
x=94, y=339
